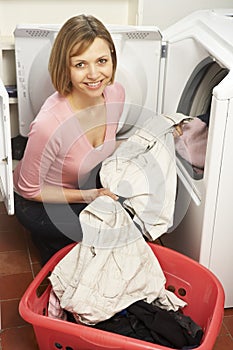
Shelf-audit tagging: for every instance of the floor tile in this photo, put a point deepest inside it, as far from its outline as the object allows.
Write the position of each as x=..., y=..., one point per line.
x=223, y=330
x=10, y=314
x=223, y=343
x=33, y=252
x=14, y=262
x=228, y=322
x=14, y=286
x=12, y=240
x=19, y=338
x=10, y=223
x=228, y=312
x=2, y=208
x=36, y=267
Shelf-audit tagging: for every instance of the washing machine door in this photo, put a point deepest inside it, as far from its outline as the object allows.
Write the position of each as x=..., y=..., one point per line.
x=6, y=178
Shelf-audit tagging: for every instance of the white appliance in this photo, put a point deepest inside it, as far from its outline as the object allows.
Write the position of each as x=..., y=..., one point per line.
x=188, y=68
x=6, y=180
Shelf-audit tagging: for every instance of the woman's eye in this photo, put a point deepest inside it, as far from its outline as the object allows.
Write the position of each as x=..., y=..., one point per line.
x=102, y=61
x=80, y=65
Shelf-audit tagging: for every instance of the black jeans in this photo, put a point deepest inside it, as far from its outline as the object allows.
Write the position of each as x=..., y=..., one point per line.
x=52, y=226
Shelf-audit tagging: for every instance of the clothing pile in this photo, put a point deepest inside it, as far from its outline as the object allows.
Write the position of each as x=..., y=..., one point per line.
x=113, y=270
x=150, y=323
x=191, y=145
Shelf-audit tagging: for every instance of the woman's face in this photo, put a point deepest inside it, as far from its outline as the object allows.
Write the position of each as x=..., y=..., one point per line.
x=92, y=70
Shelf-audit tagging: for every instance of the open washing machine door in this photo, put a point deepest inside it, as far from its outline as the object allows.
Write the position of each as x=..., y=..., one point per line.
x=199, y=76
x=198, y=64
x=6, y=180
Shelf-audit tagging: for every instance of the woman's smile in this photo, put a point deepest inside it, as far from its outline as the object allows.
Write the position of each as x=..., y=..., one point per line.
x=94, y=85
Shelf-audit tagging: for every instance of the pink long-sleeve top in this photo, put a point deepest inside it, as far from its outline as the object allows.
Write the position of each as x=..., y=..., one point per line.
x=58, y=151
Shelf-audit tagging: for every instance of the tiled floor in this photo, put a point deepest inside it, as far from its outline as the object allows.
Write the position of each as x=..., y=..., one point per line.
x=18, y=265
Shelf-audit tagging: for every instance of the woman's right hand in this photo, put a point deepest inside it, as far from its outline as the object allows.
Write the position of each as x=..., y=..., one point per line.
x=90, y=195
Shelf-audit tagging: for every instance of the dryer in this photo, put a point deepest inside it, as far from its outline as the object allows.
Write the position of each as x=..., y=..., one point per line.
x=188, y=68
x=199, y=74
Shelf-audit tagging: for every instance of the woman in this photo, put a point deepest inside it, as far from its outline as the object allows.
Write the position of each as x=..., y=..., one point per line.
x=74, y=131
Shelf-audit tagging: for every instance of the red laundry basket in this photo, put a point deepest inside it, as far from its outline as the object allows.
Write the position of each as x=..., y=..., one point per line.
x=188, y=279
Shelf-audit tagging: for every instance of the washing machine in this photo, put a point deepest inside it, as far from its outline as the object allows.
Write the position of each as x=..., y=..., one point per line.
x=199, y=77
x=188, y=68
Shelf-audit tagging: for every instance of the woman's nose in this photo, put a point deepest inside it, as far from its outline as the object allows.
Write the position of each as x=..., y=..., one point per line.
x=92, y=71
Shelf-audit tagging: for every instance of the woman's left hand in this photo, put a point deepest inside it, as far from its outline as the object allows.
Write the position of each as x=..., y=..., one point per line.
x=107, y=192
x=90, y=195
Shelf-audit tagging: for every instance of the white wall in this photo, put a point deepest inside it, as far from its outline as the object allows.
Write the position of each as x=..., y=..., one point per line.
x=13, y=12
x=163, y=13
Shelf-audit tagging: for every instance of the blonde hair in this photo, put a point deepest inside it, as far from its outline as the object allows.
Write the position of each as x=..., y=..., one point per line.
x=80, y=30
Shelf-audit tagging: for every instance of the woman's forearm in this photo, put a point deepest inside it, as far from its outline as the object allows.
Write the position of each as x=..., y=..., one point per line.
x=56, y=194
